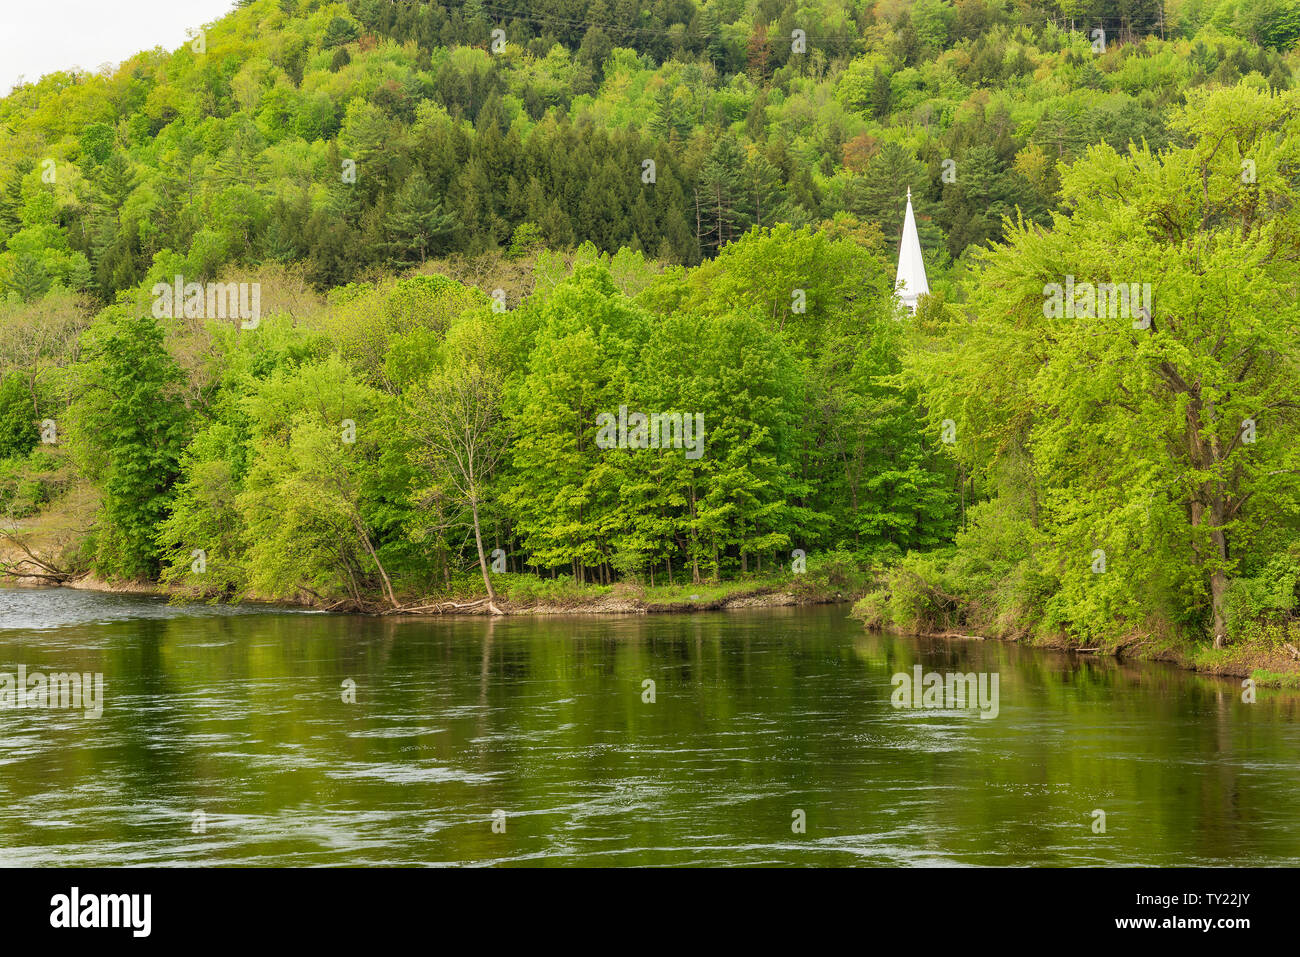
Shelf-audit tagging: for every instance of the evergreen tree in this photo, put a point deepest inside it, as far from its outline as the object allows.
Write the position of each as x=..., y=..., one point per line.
x=28, y=279
x=721, y=203
x=416, y=225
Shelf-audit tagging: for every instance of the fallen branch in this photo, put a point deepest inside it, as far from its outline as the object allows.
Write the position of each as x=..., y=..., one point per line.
x=47, y=571
x=32, y=556
x=440, y=607
x=56, y=577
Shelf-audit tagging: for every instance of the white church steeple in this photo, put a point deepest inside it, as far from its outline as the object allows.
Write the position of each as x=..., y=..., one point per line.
x=910, y=283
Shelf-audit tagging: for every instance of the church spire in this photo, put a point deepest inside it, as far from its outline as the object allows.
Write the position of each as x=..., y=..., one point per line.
x=910, y=282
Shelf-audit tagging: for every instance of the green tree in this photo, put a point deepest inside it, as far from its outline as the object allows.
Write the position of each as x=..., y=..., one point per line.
x=721, y=200
x=416, y=225
x=1160, y=430
x=456, y=422
x=338, y=32
x=18, y=426
x=137, y=423
x=28, y=279
x=564, y=494
x=308, y=497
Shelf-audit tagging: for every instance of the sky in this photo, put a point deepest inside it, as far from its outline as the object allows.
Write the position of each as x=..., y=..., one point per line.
x=42, y=36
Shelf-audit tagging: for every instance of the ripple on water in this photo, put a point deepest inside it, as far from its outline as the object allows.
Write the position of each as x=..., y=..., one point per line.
x=409, y=773
x=237, y=713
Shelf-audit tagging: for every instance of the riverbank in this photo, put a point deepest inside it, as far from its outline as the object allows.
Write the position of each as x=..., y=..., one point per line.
x=1269, y=654
x=630, y=599
x=50, y=549
x=524, y=594
x=1271, y=658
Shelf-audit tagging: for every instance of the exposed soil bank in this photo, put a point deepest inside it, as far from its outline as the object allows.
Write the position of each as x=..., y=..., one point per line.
x=624, y=605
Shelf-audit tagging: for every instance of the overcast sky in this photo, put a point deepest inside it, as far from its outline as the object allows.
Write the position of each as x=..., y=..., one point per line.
x=41, y=36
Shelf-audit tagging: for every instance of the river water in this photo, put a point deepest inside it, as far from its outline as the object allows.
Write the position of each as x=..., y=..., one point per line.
x=225, y=738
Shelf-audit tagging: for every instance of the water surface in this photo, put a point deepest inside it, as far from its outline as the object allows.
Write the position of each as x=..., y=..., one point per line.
x=239, y=714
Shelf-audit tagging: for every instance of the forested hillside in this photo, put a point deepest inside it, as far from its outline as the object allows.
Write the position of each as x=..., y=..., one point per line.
x=235, y=155
x=474, y=235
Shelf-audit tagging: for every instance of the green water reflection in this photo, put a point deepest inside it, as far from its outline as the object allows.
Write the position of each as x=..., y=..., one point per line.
x=757, y=714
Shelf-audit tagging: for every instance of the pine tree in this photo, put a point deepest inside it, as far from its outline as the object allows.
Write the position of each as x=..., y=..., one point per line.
x=416, y=225
x=28, y=279
x=721, y=204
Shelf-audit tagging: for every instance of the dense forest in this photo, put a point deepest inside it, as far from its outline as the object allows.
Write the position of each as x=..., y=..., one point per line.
x=470, y=231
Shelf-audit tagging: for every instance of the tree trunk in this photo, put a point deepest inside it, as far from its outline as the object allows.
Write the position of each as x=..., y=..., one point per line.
x=1218, y=577
x=388, y=586
x=695, y=552
x=482, y=560
x=1218, y=589
x=1211, y=503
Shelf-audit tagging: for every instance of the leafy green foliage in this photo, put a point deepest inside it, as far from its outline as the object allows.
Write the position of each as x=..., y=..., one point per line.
x=19, y=431
x=135, y=420
x=1159, y=448
x=376, y=134
x=670, y=209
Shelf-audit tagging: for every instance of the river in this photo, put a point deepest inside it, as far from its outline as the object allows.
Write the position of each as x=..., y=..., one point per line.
x=226, y=738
